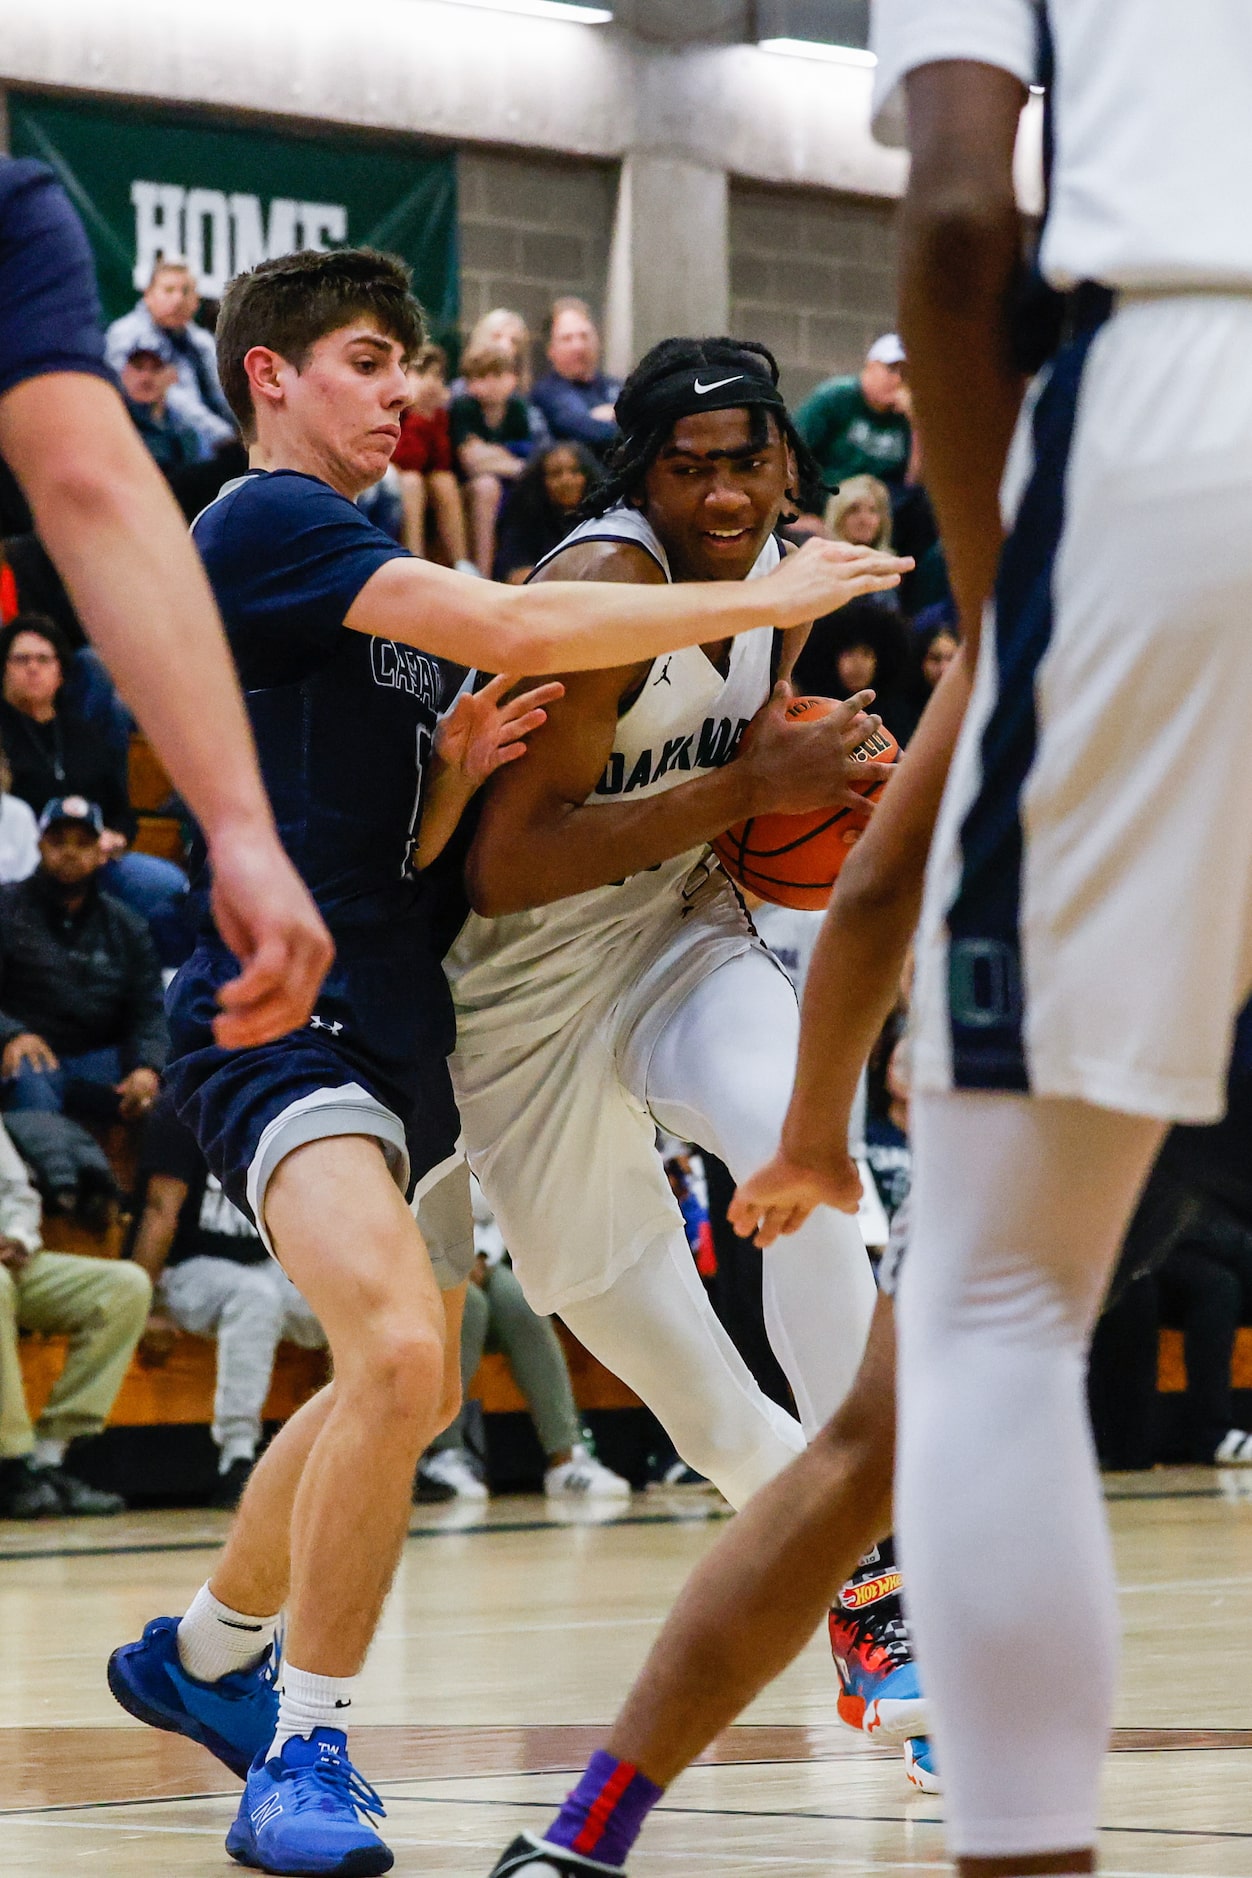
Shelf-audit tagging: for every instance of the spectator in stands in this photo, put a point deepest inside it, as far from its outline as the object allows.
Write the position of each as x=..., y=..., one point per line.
x=165, y=317
x=101, y=1306
x=55, y=751
x=148, y=376
x=497, y=1317
x=542, y=507
x=82, y=1018
x=1205, y=1288
x=19, y=831
x=863, y=646
x=860, y=512
x=491, y=439
x=503, y=327
x=212, y=1276
x=574, y=395
x=424, y=463
x=859, y=426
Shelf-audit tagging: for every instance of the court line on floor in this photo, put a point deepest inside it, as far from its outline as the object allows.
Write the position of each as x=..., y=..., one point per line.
x=139, y=1547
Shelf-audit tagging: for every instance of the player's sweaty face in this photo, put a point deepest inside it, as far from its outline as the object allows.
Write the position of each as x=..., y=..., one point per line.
x=713, y=496
x=347, y=401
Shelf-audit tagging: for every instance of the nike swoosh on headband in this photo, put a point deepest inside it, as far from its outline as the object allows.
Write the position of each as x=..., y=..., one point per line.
x=700, y=390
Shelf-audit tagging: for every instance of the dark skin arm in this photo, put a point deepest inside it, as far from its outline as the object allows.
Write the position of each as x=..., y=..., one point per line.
x=538, y=841
x=960, y=250
x=158, y=1223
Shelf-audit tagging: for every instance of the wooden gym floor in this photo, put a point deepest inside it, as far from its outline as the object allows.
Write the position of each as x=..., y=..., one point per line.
x=508, y=1641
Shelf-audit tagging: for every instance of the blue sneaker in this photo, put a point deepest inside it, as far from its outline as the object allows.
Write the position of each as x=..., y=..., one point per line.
x=234, y=1718
x=304, y=1811
x=879, y=1687
x=919, y=1765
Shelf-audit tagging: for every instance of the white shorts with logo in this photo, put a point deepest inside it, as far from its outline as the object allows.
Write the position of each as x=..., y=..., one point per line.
x=1087, y=927
x=558, y=1130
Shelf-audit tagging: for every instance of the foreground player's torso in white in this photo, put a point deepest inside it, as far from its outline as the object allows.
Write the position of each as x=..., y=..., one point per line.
x=1153, y=130
x=687, y=718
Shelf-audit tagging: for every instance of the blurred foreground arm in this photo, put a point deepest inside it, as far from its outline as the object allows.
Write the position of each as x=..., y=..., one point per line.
x=106, y=517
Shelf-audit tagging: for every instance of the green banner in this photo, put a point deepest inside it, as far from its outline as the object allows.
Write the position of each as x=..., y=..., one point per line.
x=224, y=197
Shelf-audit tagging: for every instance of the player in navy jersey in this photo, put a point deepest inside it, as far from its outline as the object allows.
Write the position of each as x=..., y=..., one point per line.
x=107, y=518
x=325, y=1137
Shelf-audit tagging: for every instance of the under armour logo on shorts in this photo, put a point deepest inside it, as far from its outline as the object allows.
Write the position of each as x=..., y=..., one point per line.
x=322, y=1023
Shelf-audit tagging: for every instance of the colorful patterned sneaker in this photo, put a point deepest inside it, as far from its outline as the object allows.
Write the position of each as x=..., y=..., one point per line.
x=234, y=1718
x=880, y=1690
x=305, y=1811
x=529, y=1857
x=919, y=1764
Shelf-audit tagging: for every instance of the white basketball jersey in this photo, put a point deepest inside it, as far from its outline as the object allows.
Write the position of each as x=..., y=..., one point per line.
x=1152, y=105
x=529, y=971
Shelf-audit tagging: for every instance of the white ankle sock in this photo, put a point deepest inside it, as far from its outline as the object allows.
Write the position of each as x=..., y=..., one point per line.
x=47, y=1453
x=214, y=1641
x=307, y=1701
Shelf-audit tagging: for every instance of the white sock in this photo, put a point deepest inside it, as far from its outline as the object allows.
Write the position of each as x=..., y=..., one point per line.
x=47, y=1452
x=232, y=1452
x=1018, y=1209
x=214, y=1641
x=307, y=1701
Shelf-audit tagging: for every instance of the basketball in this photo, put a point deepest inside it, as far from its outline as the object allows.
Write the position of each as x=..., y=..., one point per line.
x=794, y=860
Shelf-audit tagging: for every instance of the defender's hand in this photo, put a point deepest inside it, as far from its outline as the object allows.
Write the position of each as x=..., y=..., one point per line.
x=481, y=734
x=824, y=575
x=796, y=764
x=266, y=915
x=779, y=1198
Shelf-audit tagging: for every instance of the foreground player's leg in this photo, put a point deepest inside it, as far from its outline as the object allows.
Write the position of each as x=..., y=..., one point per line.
x=746, y=1611
x=1005, y=1540
x=721, y=1075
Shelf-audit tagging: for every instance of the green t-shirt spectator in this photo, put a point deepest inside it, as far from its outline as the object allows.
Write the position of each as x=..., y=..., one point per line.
x=466, y=419
x=849, y=437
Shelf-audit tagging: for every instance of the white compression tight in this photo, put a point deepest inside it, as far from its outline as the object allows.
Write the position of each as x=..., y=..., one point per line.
x=1019, y=1205
x=720, y=1075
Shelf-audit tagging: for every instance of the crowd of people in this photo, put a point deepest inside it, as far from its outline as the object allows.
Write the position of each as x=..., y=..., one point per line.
x=493, y=468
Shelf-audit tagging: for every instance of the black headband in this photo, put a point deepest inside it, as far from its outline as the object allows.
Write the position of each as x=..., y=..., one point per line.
x=690, y=389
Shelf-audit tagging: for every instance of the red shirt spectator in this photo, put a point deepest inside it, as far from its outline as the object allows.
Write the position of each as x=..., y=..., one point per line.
x=425, y=442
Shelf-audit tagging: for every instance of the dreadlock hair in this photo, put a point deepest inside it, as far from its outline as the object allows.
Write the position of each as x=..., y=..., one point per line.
x=631, y=459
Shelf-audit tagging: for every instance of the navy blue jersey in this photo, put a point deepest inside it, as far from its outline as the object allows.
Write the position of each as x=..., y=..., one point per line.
x=49, y=313
x=343, y=721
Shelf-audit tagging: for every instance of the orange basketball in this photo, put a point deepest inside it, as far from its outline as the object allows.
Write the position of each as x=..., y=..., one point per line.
x=794, y=860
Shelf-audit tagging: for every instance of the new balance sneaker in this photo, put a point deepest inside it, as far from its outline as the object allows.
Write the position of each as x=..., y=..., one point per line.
x=307, y=1811
x=880, y=1690
x=234, y=1718
x=583, y=1477
x=529, y=1857
x=919, y=1765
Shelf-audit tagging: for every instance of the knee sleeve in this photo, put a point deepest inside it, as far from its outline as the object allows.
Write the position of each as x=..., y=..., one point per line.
x=656, y=1330
x=1019, y=1206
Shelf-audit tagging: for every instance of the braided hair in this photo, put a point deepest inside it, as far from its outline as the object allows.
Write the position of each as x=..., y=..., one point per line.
x=645, y=430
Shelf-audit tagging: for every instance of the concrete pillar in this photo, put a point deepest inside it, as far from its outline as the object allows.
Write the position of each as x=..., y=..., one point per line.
x=669, y=263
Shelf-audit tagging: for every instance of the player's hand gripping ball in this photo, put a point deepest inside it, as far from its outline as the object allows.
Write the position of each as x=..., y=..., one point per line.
x=794, y=860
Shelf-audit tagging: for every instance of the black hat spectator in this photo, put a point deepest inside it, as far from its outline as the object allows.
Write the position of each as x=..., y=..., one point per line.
x=148, y=376
x=860, y=425
x=542, y=507
x=575, y=397
x=166, y=314
x=54, y=751
x=82, y=1016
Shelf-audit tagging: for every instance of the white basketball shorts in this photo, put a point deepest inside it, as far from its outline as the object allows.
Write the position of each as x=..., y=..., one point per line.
x=1087, y=925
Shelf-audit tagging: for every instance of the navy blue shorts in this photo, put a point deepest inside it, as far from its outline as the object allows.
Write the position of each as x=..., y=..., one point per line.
x=49, y=311
x=371, y=1061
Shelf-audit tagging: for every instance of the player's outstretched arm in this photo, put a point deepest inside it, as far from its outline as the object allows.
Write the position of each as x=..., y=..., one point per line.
x=854, y=980
x=568, y=626
x=110, y=524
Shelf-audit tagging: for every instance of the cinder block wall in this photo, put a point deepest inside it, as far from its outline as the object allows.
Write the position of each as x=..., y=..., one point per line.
x=532, y=228
x=812, y=276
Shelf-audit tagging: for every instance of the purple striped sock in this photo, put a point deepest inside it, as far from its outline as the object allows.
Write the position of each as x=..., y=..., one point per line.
x=604, y=1814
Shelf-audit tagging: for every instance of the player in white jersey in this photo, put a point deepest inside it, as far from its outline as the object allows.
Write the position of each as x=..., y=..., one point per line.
x=1086, y=937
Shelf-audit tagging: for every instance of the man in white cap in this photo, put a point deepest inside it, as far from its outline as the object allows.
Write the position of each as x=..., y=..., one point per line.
x=859, y=425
